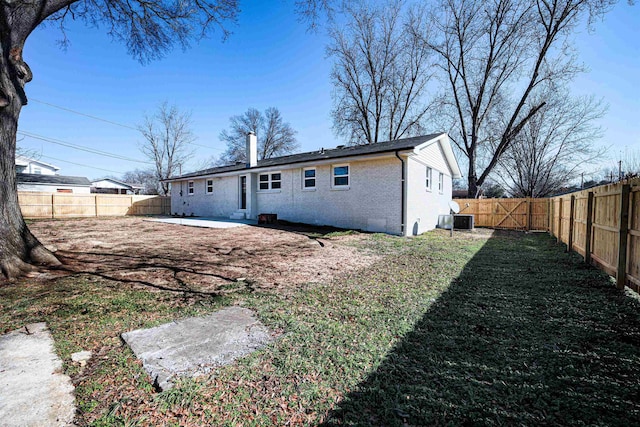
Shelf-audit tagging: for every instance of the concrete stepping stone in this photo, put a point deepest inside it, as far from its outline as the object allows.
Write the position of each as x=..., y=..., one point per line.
x=33, y=390
x=196, y=345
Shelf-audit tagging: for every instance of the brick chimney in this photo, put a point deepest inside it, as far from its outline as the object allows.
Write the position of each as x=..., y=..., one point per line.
x=252, y=150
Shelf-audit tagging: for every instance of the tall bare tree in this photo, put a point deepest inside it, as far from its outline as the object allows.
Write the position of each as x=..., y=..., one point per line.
x=167, y=135
x=494, y=58
x=380, y=74
x=553, y=147
x=148, y=28
x=275, y=136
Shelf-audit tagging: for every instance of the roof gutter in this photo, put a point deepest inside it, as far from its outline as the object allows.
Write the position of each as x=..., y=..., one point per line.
x=286, y=166
x=402, y=187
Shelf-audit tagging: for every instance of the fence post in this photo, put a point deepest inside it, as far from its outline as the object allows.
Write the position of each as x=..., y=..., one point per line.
x=550, y=216
x=95, y=202
x=559, y=236
x=494, y=212
x=587, y=243
x=528, y=224
x=621, y=276
x=572, y=212
x=53, y=206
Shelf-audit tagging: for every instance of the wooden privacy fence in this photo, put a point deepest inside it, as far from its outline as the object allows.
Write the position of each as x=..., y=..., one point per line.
x=61, y=205
x=513, y=214
x=603, y=225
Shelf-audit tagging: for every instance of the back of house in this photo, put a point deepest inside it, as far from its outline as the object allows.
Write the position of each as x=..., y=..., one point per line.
x=396, y=187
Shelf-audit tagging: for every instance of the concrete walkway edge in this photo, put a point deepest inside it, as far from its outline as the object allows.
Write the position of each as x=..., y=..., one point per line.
x=33, y=390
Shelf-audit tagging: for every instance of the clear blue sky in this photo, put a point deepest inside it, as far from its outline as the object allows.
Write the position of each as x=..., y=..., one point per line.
x=270, y=60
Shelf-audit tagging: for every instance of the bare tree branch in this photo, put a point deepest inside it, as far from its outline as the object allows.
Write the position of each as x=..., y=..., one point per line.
x=553, y=146
x=151, y=28
x=145, y=177
x=380, y=74
x=166, y=137
x=495, y=58
x=275, y=136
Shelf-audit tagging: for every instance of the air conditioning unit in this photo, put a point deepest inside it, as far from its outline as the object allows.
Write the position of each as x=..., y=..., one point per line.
x=445, y=222
x=463, y=222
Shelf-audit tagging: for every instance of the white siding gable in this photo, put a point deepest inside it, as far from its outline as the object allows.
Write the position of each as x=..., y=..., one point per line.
x=433, y=156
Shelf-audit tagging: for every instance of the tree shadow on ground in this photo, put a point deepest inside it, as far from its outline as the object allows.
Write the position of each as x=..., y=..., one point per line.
x=117, y=267
x=312, y=232
x=527, y=335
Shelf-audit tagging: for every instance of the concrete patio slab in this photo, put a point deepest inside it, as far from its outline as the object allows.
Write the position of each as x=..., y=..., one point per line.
x=33, y=391
x=196, y=345
x=206, y=222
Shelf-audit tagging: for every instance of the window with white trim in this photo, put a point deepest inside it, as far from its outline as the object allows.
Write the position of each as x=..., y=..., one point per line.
x=209, y=186
x=429, y=178
x=340, y=176
x=309, y=178
x=270, y=181
x=441, y=182
x=190, y=188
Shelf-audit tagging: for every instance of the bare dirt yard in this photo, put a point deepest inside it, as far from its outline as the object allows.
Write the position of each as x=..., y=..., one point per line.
x=476, y=329
x=193, y=259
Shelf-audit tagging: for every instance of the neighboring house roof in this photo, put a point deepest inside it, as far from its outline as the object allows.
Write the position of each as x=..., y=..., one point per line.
x=30, y=178
x=24, y=161
x=121, y=184
x=338, y=153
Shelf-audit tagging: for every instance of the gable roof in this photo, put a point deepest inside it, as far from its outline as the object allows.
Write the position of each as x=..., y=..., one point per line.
x=24, y=161
x=31, y=178
x=334, y=153
x=120, y=183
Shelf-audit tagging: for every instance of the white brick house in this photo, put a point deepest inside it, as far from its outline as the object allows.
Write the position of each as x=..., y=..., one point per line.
x=396, y=187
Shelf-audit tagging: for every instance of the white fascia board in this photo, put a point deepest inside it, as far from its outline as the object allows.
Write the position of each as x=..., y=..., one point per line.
x=337, y=160
x=114, y=184
x=48, y=165
x=364, y=157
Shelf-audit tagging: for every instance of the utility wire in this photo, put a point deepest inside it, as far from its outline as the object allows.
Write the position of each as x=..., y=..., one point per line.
x=80, y=164
x=83, y=114
x=205, y=146
x=109, y=121
x=80, y=147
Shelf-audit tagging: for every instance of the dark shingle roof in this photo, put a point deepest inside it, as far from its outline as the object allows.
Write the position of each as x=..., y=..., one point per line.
x=324, y=154
x=30, y=178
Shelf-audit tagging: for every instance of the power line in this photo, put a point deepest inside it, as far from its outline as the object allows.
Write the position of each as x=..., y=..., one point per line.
x=80, y=147
x=109, y=121
x=83, y=114
x=79, y=164
x=205, y=146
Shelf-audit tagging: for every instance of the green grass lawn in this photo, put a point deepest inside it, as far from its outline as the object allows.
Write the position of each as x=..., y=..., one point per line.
x=463, y=331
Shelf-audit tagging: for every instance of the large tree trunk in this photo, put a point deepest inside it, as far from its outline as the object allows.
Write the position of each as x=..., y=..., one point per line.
x=472, y=178
x=19, y=249
x=472, y=187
